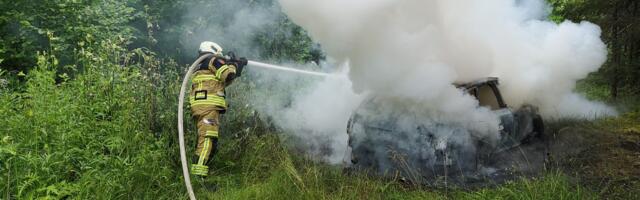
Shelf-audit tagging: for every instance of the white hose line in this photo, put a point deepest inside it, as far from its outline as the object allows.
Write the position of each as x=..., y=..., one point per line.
x=183, y=153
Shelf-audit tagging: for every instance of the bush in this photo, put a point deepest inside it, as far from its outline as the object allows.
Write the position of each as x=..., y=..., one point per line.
x=89, y=137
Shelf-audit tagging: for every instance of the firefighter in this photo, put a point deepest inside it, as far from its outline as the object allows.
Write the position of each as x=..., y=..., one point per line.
x=207, y=99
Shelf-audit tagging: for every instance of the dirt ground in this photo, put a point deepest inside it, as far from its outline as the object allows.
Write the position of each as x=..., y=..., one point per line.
x=608, y=162
x=603, y=160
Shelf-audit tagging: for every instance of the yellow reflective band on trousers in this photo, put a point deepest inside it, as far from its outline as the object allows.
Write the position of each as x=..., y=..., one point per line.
x=204, y=154
x=211, y=134
x=200, y=170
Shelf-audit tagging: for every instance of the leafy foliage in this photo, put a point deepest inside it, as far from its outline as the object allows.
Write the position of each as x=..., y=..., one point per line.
x=29, y=26
x=82, y=137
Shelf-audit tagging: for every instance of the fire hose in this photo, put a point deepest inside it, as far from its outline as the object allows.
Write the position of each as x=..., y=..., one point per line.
x=183, y=153
x=183, y=88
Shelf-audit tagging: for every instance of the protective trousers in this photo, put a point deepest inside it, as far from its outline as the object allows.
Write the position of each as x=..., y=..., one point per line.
x=207, y=118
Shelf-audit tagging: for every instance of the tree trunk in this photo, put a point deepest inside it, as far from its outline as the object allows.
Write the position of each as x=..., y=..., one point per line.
x=615, y=51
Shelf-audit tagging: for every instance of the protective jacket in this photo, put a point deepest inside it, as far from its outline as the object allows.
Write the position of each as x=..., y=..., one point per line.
x=207, y=99
x=209, y=82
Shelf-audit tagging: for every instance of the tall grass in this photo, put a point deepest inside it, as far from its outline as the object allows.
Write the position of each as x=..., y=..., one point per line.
x=551, y=186
x=88, y=137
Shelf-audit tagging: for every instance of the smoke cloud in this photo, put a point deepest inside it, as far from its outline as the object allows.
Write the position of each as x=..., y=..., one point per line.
x=319, y=117
x=413, y=51
x=417, y=48
x=314, y=110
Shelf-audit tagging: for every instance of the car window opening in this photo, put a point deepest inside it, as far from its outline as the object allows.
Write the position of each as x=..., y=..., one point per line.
x=486, y=97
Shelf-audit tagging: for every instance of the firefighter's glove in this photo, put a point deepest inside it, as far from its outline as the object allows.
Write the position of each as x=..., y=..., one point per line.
x=240, y=63
x=231, y=56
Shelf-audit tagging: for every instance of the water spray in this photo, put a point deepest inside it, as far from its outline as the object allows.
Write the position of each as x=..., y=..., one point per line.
x=276, y=67
x=183, y=88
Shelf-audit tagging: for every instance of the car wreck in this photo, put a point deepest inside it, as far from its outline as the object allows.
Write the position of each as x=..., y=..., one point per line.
x=381, y=143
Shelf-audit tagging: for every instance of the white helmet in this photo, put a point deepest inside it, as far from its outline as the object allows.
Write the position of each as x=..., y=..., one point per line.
x=210, y=47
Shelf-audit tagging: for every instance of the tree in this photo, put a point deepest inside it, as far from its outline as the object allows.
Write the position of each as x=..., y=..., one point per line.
x=620, y=22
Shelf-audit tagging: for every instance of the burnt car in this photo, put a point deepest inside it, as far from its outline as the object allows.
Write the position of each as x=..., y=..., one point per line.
x=387, y=139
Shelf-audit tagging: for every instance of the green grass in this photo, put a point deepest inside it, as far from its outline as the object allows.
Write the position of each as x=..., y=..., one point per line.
x=550, y=186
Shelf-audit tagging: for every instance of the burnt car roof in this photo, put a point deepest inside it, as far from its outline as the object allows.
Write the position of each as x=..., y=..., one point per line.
x=478, y=82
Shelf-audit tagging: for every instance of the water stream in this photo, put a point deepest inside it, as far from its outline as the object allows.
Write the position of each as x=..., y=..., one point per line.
x=276, y=67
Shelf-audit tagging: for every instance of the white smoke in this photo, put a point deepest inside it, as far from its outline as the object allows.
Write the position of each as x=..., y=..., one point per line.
x=415, y=49
x=315, y=110
x=320, y=117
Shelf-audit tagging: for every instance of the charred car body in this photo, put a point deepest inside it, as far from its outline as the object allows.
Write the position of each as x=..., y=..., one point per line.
x=421, y=149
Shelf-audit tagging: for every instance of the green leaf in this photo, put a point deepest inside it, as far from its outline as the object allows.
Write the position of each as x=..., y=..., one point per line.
x=25, y=23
